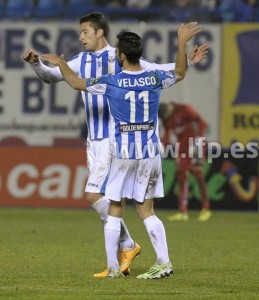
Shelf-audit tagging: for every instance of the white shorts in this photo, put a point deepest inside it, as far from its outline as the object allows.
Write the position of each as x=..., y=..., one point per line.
x=98, y=162
x=137, y=179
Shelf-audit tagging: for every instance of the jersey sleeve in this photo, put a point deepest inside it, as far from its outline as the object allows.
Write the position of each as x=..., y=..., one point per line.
x=75, y=63
x=52, y=74
x=150, y=66
x=167, y=78
x=47, y=74
x=96, y=86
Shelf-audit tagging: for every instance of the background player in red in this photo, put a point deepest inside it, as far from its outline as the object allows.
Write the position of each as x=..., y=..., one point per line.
x=182, y=121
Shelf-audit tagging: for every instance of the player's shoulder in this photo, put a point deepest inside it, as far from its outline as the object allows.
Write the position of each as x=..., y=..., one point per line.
x=79, y=56
x=161, y=75
x=163, y=72
x=105, y=78
x=111, y=54
x=142, y=59
x=111, y=50
x=182, y=107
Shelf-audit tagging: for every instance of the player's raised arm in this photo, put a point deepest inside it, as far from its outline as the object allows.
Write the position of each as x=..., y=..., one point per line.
x=195, y=56
x=198, y=54
x=45, y=73
x=72, y=79
x=185, y=33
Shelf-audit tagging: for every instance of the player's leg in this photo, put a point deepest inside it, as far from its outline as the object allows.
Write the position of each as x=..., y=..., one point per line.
x=119, y=177
x=157, y=235
x=205, y=212
x=97, y=176
x=149, y=185
x=182, y=179
x=155, y=229
x=112, y=230
x=99, y=159
x=120, y=186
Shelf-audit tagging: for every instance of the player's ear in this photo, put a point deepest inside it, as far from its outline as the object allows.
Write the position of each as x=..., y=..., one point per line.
x=100, y=33
x=123, y=56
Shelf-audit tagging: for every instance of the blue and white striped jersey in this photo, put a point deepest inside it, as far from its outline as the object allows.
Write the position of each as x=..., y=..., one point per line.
x=88, y=64
x=134, y=101
x=92, y=65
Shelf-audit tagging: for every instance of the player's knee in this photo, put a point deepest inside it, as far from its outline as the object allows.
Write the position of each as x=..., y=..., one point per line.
x=144, y=211
x=92, y=198
x=198, y=173
x=182, y=176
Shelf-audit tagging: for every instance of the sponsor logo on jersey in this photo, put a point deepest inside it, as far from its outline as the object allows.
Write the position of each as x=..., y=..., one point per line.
x=92, y=184
x=111, y=58
x=94, y=80
x=136, y=127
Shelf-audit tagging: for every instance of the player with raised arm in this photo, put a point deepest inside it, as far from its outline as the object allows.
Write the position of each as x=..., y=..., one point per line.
x=99, y=59
x=136, y=171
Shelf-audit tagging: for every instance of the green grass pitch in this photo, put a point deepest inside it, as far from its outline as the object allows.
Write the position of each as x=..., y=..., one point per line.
x=52, y=254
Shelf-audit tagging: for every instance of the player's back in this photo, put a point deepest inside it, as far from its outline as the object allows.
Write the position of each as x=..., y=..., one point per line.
x=134, y=101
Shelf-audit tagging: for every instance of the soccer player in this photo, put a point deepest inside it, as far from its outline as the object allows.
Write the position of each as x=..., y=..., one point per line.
x=136, y=171
x=99, y=59
x=188, y=127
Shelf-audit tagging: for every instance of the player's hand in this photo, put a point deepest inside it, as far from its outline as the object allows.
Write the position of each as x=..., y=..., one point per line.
x=53, y=58
x=31, y=56
x=187, y=31
x=197, y=54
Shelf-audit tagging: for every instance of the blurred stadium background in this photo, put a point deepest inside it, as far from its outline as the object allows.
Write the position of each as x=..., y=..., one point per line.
x=42, y=153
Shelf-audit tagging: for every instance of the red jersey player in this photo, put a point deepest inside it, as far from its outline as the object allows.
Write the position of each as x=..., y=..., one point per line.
x=187, y=126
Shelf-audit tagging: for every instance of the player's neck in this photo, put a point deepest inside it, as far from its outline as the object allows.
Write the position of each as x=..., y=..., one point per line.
x=131, y=67
x=102, y=44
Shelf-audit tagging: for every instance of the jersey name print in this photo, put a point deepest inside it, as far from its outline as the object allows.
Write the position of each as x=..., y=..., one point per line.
x=133, y=82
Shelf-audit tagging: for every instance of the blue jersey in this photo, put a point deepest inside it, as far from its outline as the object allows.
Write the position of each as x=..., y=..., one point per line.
x=134, y=101
x=96, y=64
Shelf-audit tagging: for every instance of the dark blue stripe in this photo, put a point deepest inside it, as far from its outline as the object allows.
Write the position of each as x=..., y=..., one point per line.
x=154, y=137
x=105, y=101
x=106, y=117
x=94, y=97
x=105, y=63
x=118, y=141
x=104, y=185
x=82, y=70
x=118, y=68
x=132, y=145
x=144, y=142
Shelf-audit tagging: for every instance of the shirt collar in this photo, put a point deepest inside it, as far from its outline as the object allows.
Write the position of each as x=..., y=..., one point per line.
x=99, y=52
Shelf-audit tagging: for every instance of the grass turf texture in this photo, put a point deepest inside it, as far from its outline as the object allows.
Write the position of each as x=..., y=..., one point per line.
x=52, y=254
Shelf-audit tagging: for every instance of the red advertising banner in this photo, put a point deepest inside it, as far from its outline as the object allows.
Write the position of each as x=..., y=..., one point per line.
x=43, y=176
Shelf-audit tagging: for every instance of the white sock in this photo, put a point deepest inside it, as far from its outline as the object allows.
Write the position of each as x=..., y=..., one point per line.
x=102, y=207
x=112, y=229
x=126, y=242
x=156, y=231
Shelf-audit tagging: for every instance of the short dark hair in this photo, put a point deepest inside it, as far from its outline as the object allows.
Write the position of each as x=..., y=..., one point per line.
x=97, y=21
x=131, y=45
